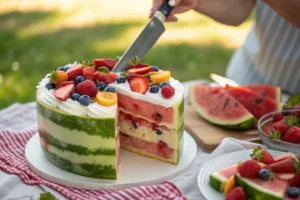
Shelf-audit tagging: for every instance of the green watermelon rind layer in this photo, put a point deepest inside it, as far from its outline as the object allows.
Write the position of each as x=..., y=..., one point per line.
x=84, y=169
x=180, y=128
x=254, y=191
x=217, y=182
x=78, y=149
x=104, y=127
x=246, y=122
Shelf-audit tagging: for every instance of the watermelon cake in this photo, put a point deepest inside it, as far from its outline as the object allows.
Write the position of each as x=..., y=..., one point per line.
x=86, y=113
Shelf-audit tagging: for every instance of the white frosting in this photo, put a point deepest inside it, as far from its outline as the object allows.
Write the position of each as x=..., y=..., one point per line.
x=98, y=111
x=155, y=98
x=47, y=97
x=73, y=107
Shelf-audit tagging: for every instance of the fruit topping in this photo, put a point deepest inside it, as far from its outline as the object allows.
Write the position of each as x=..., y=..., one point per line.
x=284, y=156
x=106, y=98
x=277, y=117
x=229, y=185
x=140, y=71
x=289, y=165
x=121, y=79
x=154, y=89
x=79, y=79
x=134, y=64
x=110, y=89
x=155, y=69
x=237, y=193
x=168, y=91
x=57, y=77
x=104, y=75
x=101, y=85
x=75, y=97
x=75, y=71
x=105, y=62
x=50, y=86
x=87, y=62
x=84, y=100
x=163, y=84
x=87, y=87
x=265, y=174
x=139, y=84
x=293, y=192
x=61, y=69
x=249, y=168
x=64, y=92
x=161, y=76
x=88, y=73
x=262, y=155
x=62, y=84
x=292, y=135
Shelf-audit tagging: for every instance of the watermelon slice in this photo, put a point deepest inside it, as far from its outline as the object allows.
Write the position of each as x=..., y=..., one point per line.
x=264, y=90
x=218, y=179
x=257, y=189
x=215, y=105
x=252, y=101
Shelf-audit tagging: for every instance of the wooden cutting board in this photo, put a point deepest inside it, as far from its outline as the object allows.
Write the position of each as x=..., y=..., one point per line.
x=209, y=136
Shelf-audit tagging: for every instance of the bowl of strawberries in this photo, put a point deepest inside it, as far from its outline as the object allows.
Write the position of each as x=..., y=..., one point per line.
x=280, y=130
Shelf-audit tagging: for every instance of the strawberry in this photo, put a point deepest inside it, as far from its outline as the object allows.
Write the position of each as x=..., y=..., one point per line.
x=284, y=156
x=105, y=62
x=167, y=91
x=277, y=117
x=262, y=155
x=140, y=71
x=236, y=193
x=292, y=135
x=289, y=165
x=268, y=130
x=295, y=181
x=249, y=168
x=87, y=87
x=62, y=84
x=111, y=78
x=295, y=110
x=104, y=75
x=139, y=84
x=88, y=73
x=74, y=72
x=134, y=64
x=280, y=126
x=64, y=92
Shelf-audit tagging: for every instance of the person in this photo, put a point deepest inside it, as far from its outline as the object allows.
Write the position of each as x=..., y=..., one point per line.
x=271, y=52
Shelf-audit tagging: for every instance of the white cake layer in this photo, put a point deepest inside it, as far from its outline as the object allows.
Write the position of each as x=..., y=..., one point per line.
x=168, y=136
x=81, y=159
x=74, y=137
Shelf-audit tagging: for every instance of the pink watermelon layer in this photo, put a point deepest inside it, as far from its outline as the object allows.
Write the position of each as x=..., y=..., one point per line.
x=275, y=185
x=228, y=172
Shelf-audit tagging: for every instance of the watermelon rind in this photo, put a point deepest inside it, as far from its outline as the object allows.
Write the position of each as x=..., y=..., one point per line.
x=244, y=122
x=256, y=192
x=217, y=182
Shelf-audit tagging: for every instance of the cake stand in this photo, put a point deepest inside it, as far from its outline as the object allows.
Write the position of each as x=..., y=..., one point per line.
x=135, y=170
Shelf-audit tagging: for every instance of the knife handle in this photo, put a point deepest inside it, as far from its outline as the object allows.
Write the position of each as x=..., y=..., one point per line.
x=166, y=9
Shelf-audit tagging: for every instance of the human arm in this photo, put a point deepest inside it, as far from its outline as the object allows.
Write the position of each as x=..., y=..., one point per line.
x=289, y=9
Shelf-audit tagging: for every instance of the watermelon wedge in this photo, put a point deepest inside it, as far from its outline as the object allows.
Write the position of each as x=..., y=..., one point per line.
x=264, y=90
x=218, y=107
x=252, y=101
x=218, y=179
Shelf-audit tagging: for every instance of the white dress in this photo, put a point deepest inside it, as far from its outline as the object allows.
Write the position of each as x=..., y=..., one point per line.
x=271, y=53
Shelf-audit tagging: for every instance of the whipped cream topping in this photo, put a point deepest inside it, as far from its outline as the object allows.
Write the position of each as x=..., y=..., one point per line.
x=98, y=111
x=73, y=107
x=47, y=97
x=155, y=98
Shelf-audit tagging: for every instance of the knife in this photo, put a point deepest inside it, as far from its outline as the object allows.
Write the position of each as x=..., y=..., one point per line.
x=222, y=80
x=147, y=38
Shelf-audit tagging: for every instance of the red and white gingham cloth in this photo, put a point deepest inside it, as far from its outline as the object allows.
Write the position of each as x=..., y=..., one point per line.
x=18, y=125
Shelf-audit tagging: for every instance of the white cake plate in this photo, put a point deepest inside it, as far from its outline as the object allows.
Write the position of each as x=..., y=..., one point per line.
x=135, y=170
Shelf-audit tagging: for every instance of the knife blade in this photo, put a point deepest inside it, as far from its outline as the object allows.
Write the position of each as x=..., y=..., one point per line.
x=223, y=81
x=146, y=39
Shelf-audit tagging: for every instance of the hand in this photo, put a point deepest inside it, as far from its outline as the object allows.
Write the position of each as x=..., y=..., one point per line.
x=180, y=7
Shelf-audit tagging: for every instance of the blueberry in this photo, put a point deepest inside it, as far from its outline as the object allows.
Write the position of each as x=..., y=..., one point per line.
x=264, y=174
x=110, y=89
x=101, y=85
x=293, y=192
x=79, y=79
x=155, y=69
x=158, y=132
x=75, y=97
x=162, y=84
x=50, y=86
x=61, y=69
x=154, y=89
x=66, y=68
x=84, y=100
x=121, y=79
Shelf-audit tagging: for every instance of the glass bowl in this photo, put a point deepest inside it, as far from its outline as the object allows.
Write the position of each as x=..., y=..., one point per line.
x=274, y=144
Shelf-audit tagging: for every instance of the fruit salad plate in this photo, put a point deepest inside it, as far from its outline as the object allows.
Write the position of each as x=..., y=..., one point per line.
x=217, y=164
x=135, y=170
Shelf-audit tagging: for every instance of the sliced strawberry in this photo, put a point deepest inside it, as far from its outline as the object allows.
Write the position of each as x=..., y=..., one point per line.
x=289, y=165
x=292, y=135
x=105, y=62
x=284, y=156
x=262, y=155
x=111, y=78
x=88, y=73
x=75, y=71
x=137, y=66
x=139, y=84
x=140, y=71
x=62, y=84
x=64, y=92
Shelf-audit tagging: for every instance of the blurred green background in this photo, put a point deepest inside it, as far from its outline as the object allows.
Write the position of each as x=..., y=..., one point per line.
x=37, y=36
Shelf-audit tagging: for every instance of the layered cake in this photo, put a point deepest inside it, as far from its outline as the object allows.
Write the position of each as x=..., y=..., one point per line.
x=86, y=113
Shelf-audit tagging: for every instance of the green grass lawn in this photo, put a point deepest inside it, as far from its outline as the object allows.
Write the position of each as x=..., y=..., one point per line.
x=36, y=39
